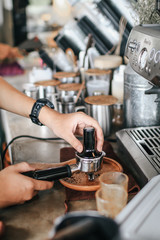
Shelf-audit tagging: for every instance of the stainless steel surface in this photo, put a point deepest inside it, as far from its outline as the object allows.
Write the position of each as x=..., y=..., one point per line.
x=90, y=165
x=26, y=149
x=49, y=92
x=74, y=168
x=140, y=218
x=71, y=93
x=141, y=152
x=70, y=79
x=148, y=140
x=103, y=114
x=143, y=51
x=30, y=90
x=66, y=104
x=140, y=109
x=43, y=90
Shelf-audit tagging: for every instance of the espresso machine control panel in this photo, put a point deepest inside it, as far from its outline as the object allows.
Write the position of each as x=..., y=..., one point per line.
x=143, y=51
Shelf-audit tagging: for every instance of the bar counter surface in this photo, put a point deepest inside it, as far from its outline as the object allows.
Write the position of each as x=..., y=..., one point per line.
x=34, y=219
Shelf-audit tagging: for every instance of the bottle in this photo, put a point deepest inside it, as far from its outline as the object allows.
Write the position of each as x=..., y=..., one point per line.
x=118, y=119
x=118, y=83
x=89, y=150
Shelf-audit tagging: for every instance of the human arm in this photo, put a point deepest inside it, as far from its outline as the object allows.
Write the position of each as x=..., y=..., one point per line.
x=16, y=188
x=65, y=126
x=8, y=52
x=1, y=228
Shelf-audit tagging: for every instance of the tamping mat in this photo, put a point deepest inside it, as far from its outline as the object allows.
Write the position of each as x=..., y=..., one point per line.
x=84, y=190
x=73, y=195
x=79, y=180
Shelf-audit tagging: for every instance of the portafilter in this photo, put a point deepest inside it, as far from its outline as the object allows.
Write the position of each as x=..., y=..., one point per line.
x=88, y=161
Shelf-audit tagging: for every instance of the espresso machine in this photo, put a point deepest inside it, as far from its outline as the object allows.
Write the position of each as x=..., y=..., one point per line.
x=140, y=146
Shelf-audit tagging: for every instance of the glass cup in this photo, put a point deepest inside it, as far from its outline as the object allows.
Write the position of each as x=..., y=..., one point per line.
x=97, y=80
x=116, y=178
x=112, y=203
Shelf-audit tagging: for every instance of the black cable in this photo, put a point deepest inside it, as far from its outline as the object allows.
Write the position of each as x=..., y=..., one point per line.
x=37, y=138
x=24, y=136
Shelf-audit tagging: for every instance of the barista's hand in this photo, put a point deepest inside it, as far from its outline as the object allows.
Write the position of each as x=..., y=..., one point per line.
x=1, y=228
x=66, y=126
x=73, y=124
x=7, y=52
x=16, y=188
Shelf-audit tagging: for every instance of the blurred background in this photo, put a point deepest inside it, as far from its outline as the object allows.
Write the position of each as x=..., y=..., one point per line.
x=66, y=23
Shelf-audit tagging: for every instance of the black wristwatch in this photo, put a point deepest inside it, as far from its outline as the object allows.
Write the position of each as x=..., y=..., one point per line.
x=36, y=109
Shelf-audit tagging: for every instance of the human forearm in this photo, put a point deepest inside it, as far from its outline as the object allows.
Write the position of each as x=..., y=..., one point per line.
x=13, y=100
x=63, y=125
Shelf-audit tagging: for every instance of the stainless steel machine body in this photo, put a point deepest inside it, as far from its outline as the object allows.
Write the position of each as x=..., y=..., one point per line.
x=139, y=220
x=141, y=145
x=143, y=51
x=140, y=108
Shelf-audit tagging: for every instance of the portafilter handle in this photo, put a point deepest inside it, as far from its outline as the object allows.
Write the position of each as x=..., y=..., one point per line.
x=50, y=174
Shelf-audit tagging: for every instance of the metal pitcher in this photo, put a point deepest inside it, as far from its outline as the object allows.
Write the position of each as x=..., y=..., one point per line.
x=140, y=109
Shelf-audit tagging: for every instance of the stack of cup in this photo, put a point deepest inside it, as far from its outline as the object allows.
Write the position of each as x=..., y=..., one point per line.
x=112, y=196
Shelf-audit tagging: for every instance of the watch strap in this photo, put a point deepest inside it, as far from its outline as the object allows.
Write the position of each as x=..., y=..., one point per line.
x=37, y=108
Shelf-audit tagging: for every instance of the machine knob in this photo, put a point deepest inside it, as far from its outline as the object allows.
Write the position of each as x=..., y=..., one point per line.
x=157, y=57
x=132, y=45
x=152, y=53
x=142, y=60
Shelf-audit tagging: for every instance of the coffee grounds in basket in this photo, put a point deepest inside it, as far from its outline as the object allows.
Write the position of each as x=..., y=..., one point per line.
x=80, y=179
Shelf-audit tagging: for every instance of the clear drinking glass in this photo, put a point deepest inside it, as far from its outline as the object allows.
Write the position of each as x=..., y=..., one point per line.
x=116, y=178
x=112, y=203
x=97, y=80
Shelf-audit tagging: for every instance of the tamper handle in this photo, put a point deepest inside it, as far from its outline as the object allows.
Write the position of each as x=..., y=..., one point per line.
x=89, y=139
x=50, y=174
